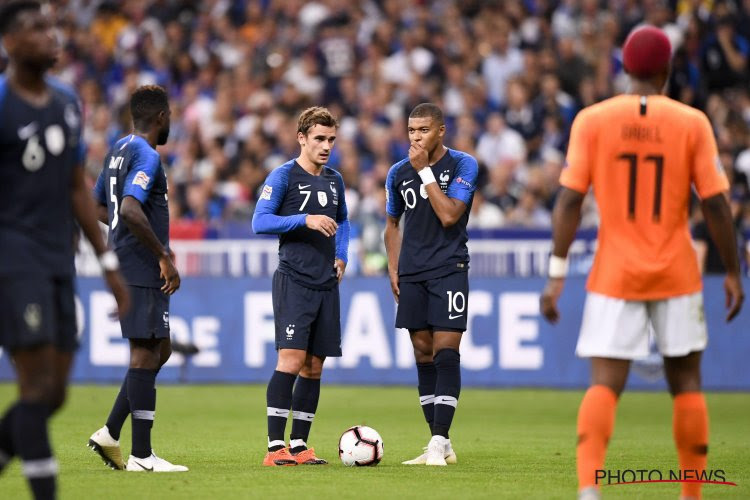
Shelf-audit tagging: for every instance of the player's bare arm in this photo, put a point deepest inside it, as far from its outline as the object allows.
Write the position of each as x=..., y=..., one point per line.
x=392, y=238
x=132, y=213
x=718, y=217
x=448, y=210
x=83, y=210
x=565, y=219
x=340, y=267
x=322, y=223
x=102, y=214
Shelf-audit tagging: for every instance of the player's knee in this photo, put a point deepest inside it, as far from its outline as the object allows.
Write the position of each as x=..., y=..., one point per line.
x=290, y=364
x=165, y=353
x=58, y=399
x=145, y=360
x=145, y=354
x=448, y=358
x=42, y=391
x=684, y=384
x=615, y=385
x=311, y=372
x=422, y=350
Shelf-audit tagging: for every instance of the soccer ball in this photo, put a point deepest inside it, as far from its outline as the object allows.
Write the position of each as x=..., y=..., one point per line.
x=360, y=445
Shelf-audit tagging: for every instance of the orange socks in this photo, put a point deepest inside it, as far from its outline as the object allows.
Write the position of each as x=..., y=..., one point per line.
x=596, y=419
x=690, y=425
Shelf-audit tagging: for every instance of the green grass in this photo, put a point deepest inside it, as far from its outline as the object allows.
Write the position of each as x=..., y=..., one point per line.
x=510, y=444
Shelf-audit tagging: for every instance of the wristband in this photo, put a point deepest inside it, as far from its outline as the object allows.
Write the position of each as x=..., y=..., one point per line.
x=558, y=267
x=427, y=176
x=109, y=261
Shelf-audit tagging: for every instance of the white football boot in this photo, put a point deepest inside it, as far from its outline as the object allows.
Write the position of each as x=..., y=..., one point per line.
x=450, y=456
x=152, y=464
x=436, y=451
x=108, y=448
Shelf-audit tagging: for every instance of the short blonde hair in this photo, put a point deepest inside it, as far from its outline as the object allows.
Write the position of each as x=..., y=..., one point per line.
x=317, y=115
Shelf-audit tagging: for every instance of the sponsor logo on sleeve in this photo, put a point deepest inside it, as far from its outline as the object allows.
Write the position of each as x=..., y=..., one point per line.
x=266, y=194
x=141, y=179
x=463, y=181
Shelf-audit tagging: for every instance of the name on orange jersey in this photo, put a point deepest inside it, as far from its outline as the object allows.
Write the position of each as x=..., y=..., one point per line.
x=641, y=133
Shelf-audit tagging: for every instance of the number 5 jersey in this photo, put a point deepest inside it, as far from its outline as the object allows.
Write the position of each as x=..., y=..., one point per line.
x=133, y=168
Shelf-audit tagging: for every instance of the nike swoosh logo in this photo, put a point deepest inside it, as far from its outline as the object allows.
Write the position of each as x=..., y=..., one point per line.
x=280, y=413
x=27, y=131
x=144, y=468
x=407, y=182
x=450, y=316
x=303, y=187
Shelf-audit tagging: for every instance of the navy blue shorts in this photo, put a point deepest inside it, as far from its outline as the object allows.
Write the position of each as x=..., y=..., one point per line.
x=305, y=318
x=148, y=317
x=438, y=304
x=37, y=311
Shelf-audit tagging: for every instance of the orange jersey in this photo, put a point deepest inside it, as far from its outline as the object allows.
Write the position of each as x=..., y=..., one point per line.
x=642, y=155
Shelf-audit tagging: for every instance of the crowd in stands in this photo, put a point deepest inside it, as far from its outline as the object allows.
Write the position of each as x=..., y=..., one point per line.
x=510, y=76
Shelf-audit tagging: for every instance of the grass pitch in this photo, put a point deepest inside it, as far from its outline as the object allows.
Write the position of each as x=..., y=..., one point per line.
x=510, y=444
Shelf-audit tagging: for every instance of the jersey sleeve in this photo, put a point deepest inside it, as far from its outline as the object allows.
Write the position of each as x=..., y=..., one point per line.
x=342, y=214
x=99, y=192
x=394, y=204
x=577, y=172
x=464, y=180
x=342, y=219
x=265, y=218
x=140, y=178
x=707, y=174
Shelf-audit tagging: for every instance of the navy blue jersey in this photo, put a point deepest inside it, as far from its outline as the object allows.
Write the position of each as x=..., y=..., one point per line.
x=429, y=250
x=133, y=168
x=39, y=148
x=289, y=195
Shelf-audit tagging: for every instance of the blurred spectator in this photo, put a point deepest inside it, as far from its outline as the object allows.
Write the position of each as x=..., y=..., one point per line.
x=499, y=142
x=510, y=77
x=724, y=56
x=484, y=214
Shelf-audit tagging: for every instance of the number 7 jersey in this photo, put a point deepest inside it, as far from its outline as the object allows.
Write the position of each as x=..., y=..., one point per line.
x=642, y=155
x=133, y=168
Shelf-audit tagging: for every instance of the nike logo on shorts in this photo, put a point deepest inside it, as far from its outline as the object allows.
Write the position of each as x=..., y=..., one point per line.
x=450, y=316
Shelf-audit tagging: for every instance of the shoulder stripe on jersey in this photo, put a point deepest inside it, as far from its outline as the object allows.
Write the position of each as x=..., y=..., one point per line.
x=644, y=101
x=132, y=136
x=61, y=87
